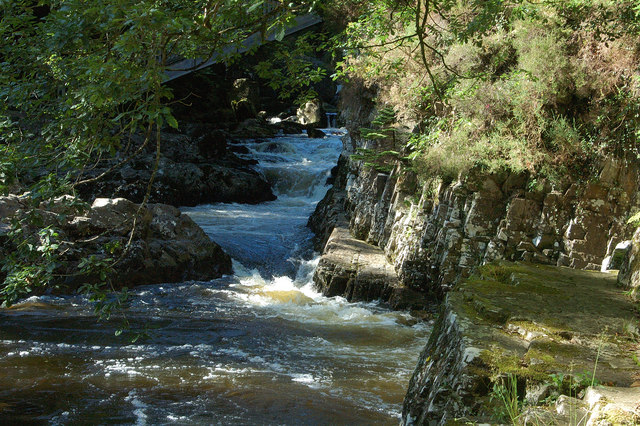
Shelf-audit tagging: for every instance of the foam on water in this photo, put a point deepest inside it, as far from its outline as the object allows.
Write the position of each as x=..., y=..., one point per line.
x=259, y=346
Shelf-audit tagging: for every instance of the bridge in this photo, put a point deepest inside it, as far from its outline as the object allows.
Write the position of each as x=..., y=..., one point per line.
x=181, y=67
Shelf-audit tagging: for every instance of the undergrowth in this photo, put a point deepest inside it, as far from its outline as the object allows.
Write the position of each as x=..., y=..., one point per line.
x=547, y=88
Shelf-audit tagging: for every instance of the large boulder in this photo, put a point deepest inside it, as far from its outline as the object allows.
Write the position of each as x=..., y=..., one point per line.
x=146, y=244
x=195, y=168
x=311, y=114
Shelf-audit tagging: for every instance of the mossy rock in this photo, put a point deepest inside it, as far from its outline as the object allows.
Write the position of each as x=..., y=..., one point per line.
x=533, y=321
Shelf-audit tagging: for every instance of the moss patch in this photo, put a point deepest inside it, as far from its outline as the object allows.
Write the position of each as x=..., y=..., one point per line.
x=534, y=321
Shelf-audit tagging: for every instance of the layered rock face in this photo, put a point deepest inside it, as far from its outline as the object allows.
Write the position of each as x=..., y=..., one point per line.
x=165, y=246
x=439, y=233
x=538, y=320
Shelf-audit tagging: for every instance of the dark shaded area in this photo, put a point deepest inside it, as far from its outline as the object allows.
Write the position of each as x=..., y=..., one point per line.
x=196, y=167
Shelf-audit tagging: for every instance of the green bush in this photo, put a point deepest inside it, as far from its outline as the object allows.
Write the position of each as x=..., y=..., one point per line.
x=547, y=87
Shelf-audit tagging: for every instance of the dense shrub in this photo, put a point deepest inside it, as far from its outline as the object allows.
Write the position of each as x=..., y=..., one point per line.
x=548, y=87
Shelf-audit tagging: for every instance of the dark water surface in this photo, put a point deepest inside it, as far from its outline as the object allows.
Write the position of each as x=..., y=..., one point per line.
x=259, y=347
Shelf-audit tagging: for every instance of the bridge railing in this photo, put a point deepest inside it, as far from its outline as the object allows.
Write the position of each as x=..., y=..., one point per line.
x=178, y=66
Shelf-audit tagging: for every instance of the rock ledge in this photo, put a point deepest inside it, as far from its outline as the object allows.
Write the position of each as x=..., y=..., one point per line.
x=527, y=321
x=361, y=272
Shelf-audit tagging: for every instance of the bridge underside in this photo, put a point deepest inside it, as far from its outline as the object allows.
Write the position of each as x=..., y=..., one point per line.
x=187, y=66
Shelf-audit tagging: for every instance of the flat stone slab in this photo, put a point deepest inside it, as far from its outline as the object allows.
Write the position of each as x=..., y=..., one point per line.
x=361, y=272
x=613, y=404
x=540, y=324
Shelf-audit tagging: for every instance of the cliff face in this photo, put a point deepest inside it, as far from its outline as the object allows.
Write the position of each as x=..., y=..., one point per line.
x=430, y=236
x=436, y=234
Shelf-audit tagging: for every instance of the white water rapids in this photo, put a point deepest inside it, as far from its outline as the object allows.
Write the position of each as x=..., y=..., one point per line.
x=258, y=347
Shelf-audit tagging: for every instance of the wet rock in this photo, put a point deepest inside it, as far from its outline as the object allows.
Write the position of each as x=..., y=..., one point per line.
x=289, y=126
x=315, y=133
x=254, y=128
x=164, y=245
x=330, y=210
x=212, y=144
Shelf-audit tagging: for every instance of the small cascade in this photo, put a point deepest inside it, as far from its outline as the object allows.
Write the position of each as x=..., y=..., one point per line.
x=259, y=347
x=273, y=236
x=332, y=119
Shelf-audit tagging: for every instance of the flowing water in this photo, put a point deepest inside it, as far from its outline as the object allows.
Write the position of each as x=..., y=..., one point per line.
x=259, y=347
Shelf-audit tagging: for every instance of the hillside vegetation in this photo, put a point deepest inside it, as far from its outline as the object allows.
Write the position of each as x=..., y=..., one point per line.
x=547, y=87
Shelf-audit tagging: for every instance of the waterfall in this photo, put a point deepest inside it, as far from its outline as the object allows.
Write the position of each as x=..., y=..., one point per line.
x=332, y=119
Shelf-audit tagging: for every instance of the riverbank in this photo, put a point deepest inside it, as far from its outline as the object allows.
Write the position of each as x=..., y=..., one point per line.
x=537, y=335
x=433, y=237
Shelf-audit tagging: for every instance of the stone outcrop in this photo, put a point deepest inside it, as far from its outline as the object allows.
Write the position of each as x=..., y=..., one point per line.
x=165, y=246
x=360, y=272
x=350, y=267
x=530, y=322
x=629, y=276
x=533, y=322
x=436, y=233
x=197, y=167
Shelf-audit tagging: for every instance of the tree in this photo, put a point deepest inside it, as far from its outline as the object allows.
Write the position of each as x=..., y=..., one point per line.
x=504, y=85
x=80, y=78
x=85, y=76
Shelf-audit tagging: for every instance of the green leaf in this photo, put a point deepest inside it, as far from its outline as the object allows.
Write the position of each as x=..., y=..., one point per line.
x=254, y=6
x=171, y=121
x=280, y=32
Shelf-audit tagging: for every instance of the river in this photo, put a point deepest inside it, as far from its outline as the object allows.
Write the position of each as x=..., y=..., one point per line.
x=258, y=347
